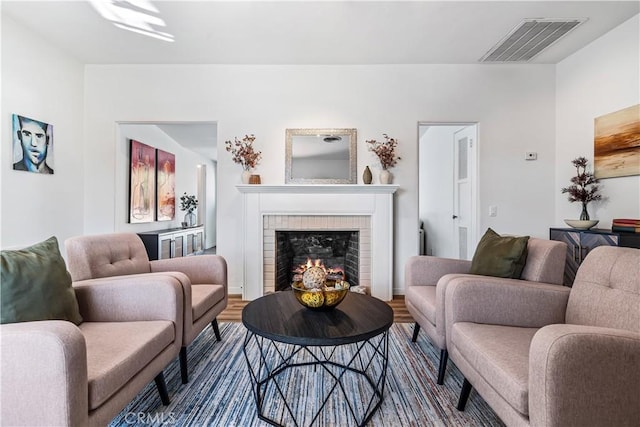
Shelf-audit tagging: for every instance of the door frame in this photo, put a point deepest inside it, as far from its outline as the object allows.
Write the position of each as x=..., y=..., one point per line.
x=475, y=187
x=201, y=191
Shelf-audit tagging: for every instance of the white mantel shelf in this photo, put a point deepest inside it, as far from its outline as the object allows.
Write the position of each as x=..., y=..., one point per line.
x=317, y=188
x=374, y=201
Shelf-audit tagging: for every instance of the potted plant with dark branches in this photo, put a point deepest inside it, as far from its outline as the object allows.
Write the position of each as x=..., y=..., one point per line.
x=188, y=203
x=584, y=187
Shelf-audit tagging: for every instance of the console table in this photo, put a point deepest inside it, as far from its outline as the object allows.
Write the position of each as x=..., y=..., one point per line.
x=173, y=242
x=580, y=242
x=343, y=351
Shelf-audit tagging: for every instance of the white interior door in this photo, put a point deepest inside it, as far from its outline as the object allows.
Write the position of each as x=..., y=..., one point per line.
x=464, y=192
x=435, y=188
x=447, y=188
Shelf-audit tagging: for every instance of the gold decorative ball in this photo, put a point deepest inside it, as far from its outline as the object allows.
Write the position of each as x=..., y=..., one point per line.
x=333, y=297
x=313, y=278
x=324, y=298
x=313, y=299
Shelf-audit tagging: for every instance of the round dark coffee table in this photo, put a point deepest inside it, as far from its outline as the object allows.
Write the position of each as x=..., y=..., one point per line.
x=348, y=343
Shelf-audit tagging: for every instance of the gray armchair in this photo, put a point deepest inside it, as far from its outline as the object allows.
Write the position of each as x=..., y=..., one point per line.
x=55, y=373
x=427, y=277
x=548, y=355
x=203, y=278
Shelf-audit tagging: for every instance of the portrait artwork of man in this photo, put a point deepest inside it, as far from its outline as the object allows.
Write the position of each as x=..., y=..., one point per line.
x=32, y=145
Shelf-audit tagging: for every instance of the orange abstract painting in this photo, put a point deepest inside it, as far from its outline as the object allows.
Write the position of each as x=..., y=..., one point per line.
x=617, y=143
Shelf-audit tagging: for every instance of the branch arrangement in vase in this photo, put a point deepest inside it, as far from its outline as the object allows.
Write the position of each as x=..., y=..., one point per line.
x=385, y=150
x=243, y=153
x=188, y=203
x=584, y=186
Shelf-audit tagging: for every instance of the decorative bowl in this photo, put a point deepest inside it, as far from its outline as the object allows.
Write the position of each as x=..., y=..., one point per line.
x=325, y=298
x=579, y=224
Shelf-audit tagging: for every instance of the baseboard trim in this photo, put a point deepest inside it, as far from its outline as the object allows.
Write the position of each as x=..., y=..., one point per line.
x=234, y=290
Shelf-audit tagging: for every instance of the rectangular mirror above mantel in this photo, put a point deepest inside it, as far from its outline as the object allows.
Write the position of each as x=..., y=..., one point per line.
x=320, y=156
x=367, y=209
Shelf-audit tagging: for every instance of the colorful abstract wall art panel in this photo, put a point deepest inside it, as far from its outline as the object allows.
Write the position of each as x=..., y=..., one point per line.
x=142, y=183
x=617, y=143
x=166, y=175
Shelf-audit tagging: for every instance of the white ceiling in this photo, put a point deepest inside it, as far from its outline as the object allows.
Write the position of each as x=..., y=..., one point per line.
x=313, y=32
x=308, y=32
x=199, y=137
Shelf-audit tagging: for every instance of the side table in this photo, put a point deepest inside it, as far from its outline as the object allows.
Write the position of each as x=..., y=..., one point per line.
x=343, y=352
x=580, y=242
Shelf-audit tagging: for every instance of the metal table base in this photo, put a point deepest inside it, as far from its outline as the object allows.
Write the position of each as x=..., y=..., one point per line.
x=356, y=372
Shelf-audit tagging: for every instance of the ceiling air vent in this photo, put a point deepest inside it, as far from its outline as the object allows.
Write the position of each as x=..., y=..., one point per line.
x=530, y=38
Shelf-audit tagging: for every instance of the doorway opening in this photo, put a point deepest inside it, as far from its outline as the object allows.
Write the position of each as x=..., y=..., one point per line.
x=448, y=189
x=193, y=147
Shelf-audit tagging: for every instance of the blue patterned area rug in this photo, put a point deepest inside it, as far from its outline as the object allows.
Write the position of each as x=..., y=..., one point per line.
x=219, y=392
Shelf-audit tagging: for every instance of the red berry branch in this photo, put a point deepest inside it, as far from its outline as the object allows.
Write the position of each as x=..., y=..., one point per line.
x=242, y=152
x=385, y=151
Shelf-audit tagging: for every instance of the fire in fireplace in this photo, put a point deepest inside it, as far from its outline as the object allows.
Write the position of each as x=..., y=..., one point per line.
x=337, y=251
x=333, y=273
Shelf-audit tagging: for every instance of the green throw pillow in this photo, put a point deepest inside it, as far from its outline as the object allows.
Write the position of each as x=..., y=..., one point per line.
x=36, y=285
x=500, y=256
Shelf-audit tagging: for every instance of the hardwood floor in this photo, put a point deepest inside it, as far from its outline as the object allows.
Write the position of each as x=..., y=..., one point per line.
x=233, y=312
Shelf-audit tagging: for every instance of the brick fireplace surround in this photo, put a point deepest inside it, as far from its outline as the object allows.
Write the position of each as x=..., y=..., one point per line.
x=365, y=208
x=273, y=223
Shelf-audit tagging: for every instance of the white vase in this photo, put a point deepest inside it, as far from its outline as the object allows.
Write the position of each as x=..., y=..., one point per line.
x=385, y=177
x=245, y=176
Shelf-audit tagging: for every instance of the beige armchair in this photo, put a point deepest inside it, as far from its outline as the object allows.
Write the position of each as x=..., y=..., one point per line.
x=426, y=279
x=55, y=373
x=203, y=277
x=547, y=355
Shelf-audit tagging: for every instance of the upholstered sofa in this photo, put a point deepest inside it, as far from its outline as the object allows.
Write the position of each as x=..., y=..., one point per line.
x=54, y=373
x=427, y=277
x=203, y=278
x=546, y=355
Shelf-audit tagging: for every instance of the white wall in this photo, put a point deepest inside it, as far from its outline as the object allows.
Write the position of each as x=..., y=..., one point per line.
x=187, y=162
x=601, y=78
x=207, y=199
x=514, y=105
x=212, y=184
x=42, y=82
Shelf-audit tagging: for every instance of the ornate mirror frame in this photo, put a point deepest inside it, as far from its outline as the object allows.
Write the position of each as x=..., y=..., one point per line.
x=299, y=136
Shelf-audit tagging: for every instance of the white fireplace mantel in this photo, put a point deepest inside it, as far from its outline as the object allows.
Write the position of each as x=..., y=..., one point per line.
x=375, y=201
x=317, y=189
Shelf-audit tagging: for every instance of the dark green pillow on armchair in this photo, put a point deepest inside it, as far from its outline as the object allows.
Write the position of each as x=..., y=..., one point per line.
x=500, y=256
x=35, y=285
